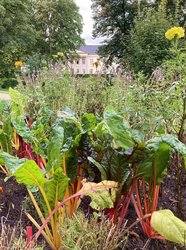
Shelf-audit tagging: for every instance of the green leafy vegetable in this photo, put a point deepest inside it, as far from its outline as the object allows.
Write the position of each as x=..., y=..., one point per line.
x=30, y=174
x=11, y=162
x=55, y=188
x=169, y=226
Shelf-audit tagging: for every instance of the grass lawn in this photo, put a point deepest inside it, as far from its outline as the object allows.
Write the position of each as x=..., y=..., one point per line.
x=4, y=91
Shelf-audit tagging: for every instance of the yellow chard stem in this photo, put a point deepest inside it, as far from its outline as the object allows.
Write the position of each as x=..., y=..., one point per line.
x=47, y=238
x=39, y=213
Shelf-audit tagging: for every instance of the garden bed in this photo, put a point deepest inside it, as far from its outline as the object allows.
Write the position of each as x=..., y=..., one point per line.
x=14, y=198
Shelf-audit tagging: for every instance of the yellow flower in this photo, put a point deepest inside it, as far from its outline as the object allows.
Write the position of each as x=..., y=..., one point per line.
x=179, y=32
x=97, y=63
x=18, y=64
x=60, y=54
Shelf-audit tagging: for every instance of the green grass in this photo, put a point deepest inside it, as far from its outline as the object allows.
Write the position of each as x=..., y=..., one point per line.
x=5, y=91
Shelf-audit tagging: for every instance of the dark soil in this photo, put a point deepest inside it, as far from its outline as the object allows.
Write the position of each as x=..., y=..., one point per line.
x=11, y=200
x=14, y=195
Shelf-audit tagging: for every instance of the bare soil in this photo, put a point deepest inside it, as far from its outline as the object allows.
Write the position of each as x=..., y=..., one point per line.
x=14, y=195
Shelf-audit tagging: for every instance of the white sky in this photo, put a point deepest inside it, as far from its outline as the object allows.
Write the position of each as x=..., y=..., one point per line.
x=85, y=11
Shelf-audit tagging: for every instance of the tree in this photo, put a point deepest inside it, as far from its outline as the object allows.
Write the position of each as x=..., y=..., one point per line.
x=58, y=24
x=36, y=27
x=148, y=46
x=114, y=20
x=17, y=35
x=175, y=8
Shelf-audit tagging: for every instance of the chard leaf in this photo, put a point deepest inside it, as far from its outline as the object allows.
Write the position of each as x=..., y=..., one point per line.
x=30, y=174
x=54, y=146
x=170, y=140
x=169, y=226
x=22, y=129
x=103, y=169
x=103, y=194
x=56, y=187
x=158, y=159
x=11, y=162
x=119, y=129
x=18, y=102
x=88, y=122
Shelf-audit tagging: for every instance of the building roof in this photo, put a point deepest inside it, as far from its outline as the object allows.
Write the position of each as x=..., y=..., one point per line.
x=89, y=49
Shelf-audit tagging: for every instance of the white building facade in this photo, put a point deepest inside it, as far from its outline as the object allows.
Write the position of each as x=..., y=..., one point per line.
x=88, y=61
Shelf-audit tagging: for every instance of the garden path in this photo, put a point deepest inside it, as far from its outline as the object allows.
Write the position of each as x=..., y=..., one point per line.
x=4, y=96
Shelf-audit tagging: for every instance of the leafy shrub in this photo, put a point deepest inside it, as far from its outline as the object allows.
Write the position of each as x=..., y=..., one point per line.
x=149, y=46
x=57, y=89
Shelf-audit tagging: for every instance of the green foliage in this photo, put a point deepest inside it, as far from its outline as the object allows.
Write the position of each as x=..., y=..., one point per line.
x=158, y=156
x=36, y=28
x=18, y=103
x=91, y=234
x=169, y=226
x=5, y=129
x=11, y=162
x=149, y=47
x=58, y=24
x=54, y=146
x=17, y=37
x=56, y=187
x=29, y=174
x=57, y=90
x=118, y=129
x=114, y=19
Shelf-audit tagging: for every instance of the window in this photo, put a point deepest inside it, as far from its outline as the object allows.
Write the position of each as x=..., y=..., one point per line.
x=77, y=62
x=84, y=71
x=77, y=71
x=91, y=71
x=83, y=60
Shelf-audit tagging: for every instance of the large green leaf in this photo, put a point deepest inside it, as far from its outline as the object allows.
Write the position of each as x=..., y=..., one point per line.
x=18, y=102
x=30, y=174
x=103, y=169
x=71, y=157
x=54, y=146
x=11, y=162
x=119, y=129
x=88, y=122
x=22, y=129
x=115, y=168
x=162, y=157
x=56, y=187
x=169, y=226
x=172, y=141
x=158, y=155
x=6, y=131
x=156, y=161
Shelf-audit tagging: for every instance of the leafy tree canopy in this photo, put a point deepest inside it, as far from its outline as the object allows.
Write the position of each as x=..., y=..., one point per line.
x=117, y=21
x=36, y=27
x=58, y=24
x=114, y=19
x=17, y=35
x=148, y=45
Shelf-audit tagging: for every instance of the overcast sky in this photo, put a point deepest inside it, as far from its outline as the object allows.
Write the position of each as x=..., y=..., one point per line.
x=85, y=11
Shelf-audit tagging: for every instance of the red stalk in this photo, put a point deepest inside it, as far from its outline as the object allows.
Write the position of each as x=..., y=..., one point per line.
x=125, y=207
x=60, y=204
x=29, y=234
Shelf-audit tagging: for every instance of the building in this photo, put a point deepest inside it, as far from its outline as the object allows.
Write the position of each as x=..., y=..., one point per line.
x=87, y=61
